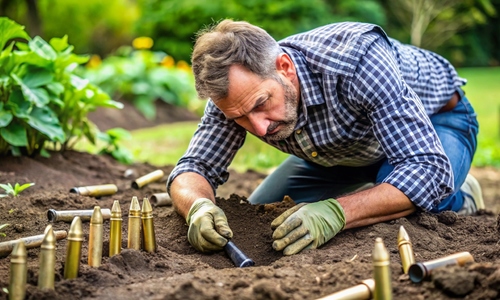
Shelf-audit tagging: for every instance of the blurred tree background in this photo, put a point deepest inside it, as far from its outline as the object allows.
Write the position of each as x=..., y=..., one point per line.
x=464, y=31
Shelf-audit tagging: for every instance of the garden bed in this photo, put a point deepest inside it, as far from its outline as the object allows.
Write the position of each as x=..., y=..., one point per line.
x=177, y=271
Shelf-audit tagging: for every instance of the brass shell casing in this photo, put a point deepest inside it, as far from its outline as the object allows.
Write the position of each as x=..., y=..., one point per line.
x=134, y=225
x=68, y=215
x=420, y=271
x=18, y=272
x=73, y=249
x=46, y=273
x=381, y=271
x=95, y=190
x=30, y=242
x=115, y=231
x=161, y=199
x=96, y=233
x=405, y=250
x=148, y=178
x=362, y=291
x=148, y=228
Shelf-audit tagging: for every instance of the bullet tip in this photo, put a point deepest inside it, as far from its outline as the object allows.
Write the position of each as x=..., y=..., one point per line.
x=380, y=252
x=96, y=217
x=134, y=204
x=146, y=206
x=75, y=230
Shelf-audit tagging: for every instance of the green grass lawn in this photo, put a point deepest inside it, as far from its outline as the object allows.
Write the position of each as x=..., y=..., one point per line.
x=483, y=91
x=164, y=145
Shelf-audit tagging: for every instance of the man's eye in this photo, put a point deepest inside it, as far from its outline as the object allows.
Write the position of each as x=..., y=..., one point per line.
x=261, y=104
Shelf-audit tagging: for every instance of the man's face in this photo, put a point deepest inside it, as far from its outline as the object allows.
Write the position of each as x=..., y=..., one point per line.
x=264, y=107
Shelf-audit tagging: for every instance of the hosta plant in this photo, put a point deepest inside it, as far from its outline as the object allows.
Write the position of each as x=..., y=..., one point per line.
x=43, y=103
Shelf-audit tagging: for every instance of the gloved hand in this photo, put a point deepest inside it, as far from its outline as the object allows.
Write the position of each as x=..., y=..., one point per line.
x=208, y=227
x=307, y=226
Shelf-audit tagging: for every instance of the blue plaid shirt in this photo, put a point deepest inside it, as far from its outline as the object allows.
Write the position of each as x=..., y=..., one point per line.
x=364, y=97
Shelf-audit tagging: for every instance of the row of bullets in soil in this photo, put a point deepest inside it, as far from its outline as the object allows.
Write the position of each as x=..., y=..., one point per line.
x=380, y=286
x=160, y=199
x=141, y=235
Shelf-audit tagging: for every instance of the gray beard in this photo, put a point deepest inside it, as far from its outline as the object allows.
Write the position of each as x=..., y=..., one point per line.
x=291, y=115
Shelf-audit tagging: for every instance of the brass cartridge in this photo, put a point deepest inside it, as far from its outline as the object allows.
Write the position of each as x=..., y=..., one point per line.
x=95, y=190
x=73, y=249
x=148, y=228
x=421, y=271
x=30, y=242
x=96, y=233
x=47, y=260
x=68, y=215
x=148, y=178
x=381, y=271
x=362, y=291
x=18, y=272
x=134, y=225
x=405, y=250
x=161, y=199
x=115, y=231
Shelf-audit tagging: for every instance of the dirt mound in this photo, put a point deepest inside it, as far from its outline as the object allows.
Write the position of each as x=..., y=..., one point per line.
x=177, y=271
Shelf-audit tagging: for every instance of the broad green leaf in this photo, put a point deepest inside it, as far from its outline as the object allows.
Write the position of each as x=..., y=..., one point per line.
x=10, y=30
x=59, y=44
x=45, y=120
x=37, y=77
x=42, y=48
x=104, y=136
x=119, y=133
x=123, y=155
x=70, y=62
x=55, y=87
x=77, y=82
x=37, y=96
x=31, y=58
x=18, y=105
x=5, y=116
x=7, y=51
x=15, y=135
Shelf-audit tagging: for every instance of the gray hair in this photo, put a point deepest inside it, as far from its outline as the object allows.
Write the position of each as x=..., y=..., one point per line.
x=231, y=43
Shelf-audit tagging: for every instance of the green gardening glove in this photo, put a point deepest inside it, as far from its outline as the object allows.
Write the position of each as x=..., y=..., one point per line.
x=208, y=227
x=307, y=226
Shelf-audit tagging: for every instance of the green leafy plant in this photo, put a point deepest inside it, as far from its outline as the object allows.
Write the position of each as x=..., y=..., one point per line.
x=2, y=226
x=14, y=190
x=142, y=77
x=42, y=99
x=112, y=137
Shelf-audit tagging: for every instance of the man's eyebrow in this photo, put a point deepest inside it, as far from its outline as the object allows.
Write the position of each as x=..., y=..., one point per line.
x=259, y=101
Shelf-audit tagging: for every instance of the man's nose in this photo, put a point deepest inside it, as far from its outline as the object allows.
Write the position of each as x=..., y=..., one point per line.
x=259, y=124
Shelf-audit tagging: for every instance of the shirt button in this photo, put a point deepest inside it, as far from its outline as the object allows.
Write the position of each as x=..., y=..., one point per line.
x=298, y=131
x=314, y=154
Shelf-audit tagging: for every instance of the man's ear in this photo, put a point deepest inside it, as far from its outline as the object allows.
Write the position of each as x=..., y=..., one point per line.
x=285, y=66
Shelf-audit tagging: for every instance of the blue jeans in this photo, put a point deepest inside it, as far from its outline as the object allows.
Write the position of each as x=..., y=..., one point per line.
x=305, y=181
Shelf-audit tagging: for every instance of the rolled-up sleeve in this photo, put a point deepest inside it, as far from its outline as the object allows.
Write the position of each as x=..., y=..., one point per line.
x=422, y=170
x=211, y=149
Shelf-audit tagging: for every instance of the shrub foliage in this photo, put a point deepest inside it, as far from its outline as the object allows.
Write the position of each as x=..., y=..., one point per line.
x=42, y=100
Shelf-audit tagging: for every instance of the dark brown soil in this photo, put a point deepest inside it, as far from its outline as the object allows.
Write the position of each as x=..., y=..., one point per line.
x=177, y=271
